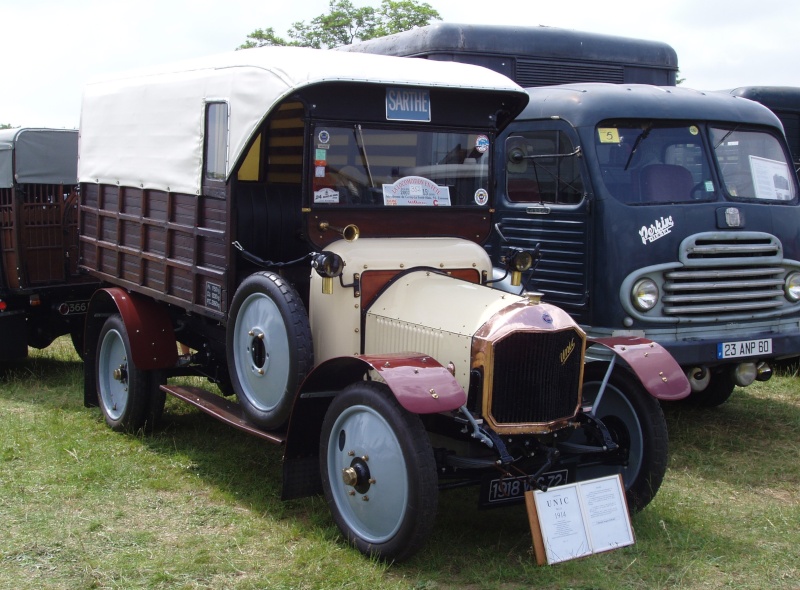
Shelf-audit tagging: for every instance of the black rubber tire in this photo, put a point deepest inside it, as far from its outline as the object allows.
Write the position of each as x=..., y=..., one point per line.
x=719, y=390
x=268, y=348
x=76, y=335
x=123, y=391
x=390, y=512
x=636, y=422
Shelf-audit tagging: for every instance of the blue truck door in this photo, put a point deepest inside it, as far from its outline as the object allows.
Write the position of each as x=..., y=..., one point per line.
x=543, y=199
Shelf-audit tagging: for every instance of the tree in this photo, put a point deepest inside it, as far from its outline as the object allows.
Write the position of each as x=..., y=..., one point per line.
x=344, y=24
x=5, y=126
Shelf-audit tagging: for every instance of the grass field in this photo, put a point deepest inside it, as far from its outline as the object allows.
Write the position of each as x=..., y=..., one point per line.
x=196, y=505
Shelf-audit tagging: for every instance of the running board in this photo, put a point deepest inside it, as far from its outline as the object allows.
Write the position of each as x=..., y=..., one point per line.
x=222, y=409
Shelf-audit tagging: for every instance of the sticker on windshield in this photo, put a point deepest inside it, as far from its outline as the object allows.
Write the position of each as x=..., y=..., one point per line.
x=608, y=134
x=481, y=144
x=771, y=179
x=416, y=191
x=481, y=197
x=693, y=130
x=324, y=136
x=326, y=195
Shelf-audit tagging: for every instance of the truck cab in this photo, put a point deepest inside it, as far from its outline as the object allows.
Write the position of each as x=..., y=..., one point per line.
x=662, y=212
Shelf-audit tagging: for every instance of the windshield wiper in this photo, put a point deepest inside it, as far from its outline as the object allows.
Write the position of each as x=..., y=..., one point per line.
x=363, y=150
x=642, y=136
x=724, y=137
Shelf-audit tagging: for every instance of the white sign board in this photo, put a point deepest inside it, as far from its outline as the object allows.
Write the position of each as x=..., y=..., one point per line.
x=579, y=519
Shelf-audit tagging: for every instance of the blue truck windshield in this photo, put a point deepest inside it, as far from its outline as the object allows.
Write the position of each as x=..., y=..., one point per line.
x=752, y=165
x=647, y=162
x=358, y=166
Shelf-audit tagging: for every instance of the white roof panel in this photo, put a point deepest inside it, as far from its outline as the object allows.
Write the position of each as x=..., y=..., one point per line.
x=145, y=128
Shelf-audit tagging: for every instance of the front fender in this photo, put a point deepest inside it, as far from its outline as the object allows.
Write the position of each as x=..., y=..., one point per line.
x=419, y=383
x=658, y=372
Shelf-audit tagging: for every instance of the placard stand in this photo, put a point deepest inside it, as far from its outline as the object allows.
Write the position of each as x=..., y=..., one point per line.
x=579, y=519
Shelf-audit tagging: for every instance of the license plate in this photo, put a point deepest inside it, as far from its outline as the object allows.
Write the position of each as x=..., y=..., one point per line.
x=730, y=350
x=73, y=307
x=512, y=489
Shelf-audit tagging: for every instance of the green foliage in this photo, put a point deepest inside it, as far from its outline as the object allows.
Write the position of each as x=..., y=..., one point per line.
x=6, y=126
x=345, y=23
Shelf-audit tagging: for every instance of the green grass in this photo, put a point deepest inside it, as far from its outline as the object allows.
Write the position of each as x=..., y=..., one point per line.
x=196, y=505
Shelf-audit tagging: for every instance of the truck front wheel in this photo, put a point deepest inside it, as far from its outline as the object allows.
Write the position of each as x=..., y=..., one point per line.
x=128, y=396
x=636, y=423
x=269, y=348
x=378, y=472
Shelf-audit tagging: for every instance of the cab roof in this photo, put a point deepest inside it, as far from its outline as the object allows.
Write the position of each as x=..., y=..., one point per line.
x=587, y=104
x=145, y=128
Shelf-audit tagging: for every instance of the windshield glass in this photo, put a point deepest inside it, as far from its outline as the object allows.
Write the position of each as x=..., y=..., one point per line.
x=752, y=164
x=358, y=166
x=646, y=162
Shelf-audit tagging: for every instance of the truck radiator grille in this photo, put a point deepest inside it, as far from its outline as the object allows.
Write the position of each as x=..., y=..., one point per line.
x=725, y=274
x=536, y=377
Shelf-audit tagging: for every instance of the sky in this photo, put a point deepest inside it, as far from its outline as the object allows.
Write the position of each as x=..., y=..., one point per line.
x=53, y=47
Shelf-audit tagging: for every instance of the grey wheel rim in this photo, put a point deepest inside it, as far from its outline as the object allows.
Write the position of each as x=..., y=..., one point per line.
x=614, y=403
x=261, y=351
x=113, y=374
x=362, y=441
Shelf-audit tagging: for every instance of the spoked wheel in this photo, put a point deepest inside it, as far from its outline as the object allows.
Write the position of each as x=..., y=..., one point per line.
x=378, y=472
x=268, y=347
x=636, y=423
x=128, y=396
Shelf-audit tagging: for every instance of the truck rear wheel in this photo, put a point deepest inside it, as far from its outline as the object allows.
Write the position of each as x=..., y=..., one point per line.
x=129, y=397
x=636, y=423
x=378, y=472
x=269, y=348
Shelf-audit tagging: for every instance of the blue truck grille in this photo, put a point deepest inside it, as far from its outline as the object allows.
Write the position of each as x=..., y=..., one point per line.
x=725, y=275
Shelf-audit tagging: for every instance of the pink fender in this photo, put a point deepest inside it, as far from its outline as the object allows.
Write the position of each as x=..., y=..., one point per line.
x=148, y=325
x=420, y=384
x=653, y=365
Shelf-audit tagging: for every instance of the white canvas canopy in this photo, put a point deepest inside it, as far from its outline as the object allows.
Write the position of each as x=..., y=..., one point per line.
x=145, y=128
x=38, y=156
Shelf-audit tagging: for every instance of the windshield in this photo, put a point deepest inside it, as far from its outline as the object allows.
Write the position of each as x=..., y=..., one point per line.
x=645, y=162
x=359, y=166
x=752, y=164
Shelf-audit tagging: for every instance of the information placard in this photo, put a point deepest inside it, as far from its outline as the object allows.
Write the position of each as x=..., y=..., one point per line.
x=579, y=519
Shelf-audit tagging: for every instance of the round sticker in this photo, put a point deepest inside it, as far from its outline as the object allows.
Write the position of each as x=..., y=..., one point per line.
x=324, y=136
x=481, y=196
x=482, y=143
x=693, y=130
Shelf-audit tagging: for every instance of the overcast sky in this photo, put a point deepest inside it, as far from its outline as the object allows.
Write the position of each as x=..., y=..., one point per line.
x=52, y=47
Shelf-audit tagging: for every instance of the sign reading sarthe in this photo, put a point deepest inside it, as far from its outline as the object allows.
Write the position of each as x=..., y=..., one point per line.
x=408, y=104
